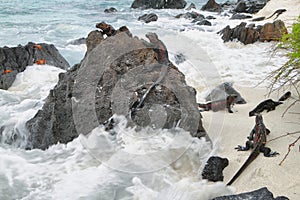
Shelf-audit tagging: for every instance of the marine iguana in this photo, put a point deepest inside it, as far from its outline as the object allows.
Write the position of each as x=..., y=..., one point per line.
x=256, y=141
x=269, y=104
x=220, y=104
x=162, y=59
x=278, y=12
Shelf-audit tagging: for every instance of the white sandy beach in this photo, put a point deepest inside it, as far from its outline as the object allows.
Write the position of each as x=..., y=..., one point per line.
x=231, y=130
x=289, y=17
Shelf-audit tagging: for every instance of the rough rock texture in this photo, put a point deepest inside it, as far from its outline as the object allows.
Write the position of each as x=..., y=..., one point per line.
x=159, y=4
x=213, y=169
x=272, y=31
x=250, y=34
x=16, y=59
x=110, y=79
x=222, y=91
x=260, y=194
x=212, y=6
x=147, y=18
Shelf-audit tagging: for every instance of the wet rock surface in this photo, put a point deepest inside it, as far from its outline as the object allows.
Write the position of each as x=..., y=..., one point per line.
x=147, y=18
x=114, y=74
x=213, y=169
x=15, y=59
x=260, y=194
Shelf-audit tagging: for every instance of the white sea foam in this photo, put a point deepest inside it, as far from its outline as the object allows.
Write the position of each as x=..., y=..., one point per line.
x=102, y=166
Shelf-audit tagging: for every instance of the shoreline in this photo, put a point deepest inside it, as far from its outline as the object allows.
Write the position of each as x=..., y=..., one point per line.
x=231, y=130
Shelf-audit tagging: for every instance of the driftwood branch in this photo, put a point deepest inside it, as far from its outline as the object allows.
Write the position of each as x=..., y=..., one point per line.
x=284, y=136
x=289, y=150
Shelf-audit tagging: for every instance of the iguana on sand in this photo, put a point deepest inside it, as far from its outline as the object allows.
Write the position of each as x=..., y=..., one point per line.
x=257, y=141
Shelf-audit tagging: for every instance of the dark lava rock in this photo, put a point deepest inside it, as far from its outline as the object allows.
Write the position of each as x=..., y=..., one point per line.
x=191, y=15
x=147, y=18
x=110, y=10
x=240, y=16
x=204, y=23
x=159, y=4
x=250, y=6
x=250, y=34
x=114, y=74
x=222, y=91
x=212, y=6
x=16, y=59
x=210, y=17
x=260, y=194
x=213, y=169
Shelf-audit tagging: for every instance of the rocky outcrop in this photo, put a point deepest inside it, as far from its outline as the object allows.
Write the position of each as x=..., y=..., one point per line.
x=15, y=59
x=212, y=6
x=250, y=34
x=113, y=76
x=147, y=18
x=158, y=4
x=260, y=194
x=250, y=6
x=213, y=169
x=272, y=31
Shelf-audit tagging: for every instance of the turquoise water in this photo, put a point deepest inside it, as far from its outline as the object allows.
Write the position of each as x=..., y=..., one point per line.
x=58, y=22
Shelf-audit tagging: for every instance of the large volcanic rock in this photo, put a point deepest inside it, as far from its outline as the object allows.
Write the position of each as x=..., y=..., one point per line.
x=159, y=4
x=114, y=74
x=251, y=6
x=250, y=34
x=16, y=59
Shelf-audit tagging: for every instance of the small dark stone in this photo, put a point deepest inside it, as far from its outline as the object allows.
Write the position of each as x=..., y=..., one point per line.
x=240, y=16
x=110, y=10
x=260, y=194
x=147, y=18
x=179, y=58
x=204, y=23
x=210, y=17
x=213, y=170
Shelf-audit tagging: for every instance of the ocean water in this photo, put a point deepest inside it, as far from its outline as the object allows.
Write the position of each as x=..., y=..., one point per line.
x=145, y=164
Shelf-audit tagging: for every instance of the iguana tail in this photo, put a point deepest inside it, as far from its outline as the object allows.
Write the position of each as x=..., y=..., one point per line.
x=251, y=157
